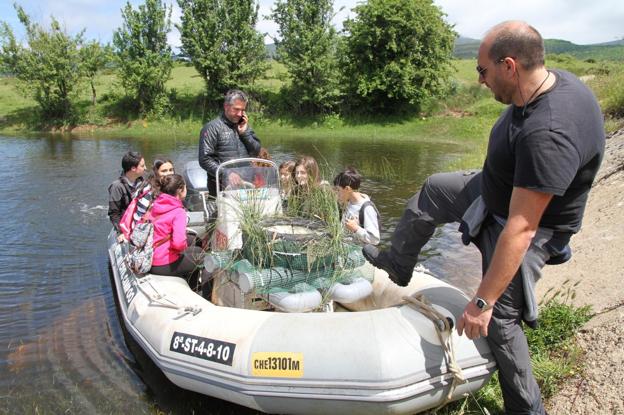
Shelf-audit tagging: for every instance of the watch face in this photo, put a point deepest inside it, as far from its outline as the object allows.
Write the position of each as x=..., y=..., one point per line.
x=480, y=303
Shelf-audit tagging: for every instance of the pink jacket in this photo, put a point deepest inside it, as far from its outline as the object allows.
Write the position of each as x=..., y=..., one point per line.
x=169, y=218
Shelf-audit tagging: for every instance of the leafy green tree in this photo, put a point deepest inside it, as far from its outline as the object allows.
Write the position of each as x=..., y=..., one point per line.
x=396, y=53
x=222, y=42
x=47, y=65
x=308, y=49
x=143, y=55
x=94, y=58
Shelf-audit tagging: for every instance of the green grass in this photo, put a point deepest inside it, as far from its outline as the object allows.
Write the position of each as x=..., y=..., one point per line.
x=610, y=91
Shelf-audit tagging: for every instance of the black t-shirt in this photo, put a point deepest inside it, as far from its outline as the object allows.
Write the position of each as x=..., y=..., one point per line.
x=556, y=147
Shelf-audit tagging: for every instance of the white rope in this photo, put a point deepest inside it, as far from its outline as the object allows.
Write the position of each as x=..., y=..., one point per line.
x=162, y=300
x=442, y=326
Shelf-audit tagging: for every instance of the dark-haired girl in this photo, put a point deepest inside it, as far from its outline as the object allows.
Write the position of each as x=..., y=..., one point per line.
x=160, y=169
x=172, y=255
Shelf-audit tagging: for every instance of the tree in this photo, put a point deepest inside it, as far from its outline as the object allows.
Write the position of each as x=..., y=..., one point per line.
x=222, y=42
x=94, y=58
x=308, y=49
x=47, y=66
x=396, y=53
x=143, y=55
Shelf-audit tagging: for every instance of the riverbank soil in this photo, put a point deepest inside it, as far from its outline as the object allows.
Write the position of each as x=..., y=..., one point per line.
x=597, y=265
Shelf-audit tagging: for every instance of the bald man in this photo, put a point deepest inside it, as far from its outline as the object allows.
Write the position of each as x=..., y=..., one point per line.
x=521, y=209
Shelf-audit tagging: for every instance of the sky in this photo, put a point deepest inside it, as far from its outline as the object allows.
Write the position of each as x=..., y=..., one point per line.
x=579, y=21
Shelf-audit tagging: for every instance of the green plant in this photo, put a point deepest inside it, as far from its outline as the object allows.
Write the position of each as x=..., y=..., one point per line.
x=308, y=49
x=554, y=354
x=558, y=320
x=47, y=66
x=94, y=58
x=143, y=55
x=610, y=92
x=222, y=42
x=397, y=53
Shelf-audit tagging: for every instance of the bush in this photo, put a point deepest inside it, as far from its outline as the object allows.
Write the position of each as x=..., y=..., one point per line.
x=610, y=92
x=397, y=53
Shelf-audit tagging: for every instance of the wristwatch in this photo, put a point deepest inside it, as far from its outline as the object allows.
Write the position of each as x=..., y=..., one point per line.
x=482, y=304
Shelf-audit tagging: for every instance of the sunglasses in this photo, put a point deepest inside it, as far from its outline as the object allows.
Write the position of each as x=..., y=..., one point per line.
x=482, y=70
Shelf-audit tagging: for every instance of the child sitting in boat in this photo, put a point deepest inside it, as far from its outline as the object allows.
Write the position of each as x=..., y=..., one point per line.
x=172, y=255
x=259, y=178
x=160, y=169
x=360, y=216
x=120, y=191
x=144, y=196
x=286, y=178
x=306, y=174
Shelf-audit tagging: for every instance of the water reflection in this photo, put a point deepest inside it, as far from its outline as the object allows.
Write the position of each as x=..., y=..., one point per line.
x=61, y=345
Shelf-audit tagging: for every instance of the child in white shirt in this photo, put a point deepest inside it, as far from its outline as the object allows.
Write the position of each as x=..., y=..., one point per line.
x=360, y=215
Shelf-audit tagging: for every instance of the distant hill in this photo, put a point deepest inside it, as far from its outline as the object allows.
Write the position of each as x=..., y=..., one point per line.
x=467, y=48
x=612, y=43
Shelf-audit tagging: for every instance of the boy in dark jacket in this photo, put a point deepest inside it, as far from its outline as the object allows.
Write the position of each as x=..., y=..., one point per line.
x=121, y=191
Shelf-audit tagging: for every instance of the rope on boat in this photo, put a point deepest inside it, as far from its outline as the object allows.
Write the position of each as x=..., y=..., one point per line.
x=162, y=300
x=443, y=325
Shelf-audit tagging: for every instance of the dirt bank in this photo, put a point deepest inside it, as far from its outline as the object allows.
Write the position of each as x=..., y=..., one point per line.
x=598, y=267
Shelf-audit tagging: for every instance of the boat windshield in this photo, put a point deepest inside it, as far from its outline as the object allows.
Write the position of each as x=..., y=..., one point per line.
x=246, y=174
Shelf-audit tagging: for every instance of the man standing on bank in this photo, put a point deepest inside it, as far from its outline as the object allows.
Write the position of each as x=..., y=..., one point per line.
x=521, y=209
x=226, y=138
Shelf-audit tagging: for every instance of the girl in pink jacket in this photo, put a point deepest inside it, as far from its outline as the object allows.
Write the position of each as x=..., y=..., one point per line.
x=172, y=255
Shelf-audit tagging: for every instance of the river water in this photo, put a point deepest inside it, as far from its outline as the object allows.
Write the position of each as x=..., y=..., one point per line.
x=62, y=348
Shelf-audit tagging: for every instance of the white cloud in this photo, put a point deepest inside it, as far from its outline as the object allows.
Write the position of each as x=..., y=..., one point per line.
x=579, y=21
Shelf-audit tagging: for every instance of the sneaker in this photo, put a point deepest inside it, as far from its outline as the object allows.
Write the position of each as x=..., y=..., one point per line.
x=382, y=260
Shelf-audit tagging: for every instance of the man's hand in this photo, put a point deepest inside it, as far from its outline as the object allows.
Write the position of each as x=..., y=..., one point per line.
x=121, y=238
x=234, y=180
x=243, y=123
x=474, y=322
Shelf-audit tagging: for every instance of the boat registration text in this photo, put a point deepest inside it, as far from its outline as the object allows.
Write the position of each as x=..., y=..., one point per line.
x=208, y=349
x=277, y=364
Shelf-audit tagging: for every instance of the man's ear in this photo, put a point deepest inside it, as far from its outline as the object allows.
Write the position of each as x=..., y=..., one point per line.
x=510, y=66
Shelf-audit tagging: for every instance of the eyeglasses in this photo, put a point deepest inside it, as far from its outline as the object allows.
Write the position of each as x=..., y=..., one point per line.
x=482, y=71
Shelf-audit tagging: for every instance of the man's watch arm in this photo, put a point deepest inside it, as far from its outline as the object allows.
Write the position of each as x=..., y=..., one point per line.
x=482, y=304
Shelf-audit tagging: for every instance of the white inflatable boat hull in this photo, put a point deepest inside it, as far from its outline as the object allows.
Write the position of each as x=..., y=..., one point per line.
x=367, y=362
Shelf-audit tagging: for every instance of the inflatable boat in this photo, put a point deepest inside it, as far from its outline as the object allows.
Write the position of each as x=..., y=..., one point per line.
x=263, y=339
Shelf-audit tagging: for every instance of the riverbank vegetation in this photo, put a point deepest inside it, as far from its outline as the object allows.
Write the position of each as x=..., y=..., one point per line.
x=325, y=85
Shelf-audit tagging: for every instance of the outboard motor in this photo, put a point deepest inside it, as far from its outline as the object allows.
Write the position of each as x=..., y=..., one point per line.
x=196, y=180
x=202, y=209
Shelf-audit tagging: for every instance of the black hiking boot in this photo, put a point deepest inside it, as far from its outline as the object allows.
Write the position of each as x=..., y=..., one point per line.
x=382, y=260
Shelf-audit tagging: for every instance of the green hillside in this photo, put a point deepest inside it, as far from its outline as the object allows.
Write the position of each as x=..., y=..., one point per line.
x=467, y=48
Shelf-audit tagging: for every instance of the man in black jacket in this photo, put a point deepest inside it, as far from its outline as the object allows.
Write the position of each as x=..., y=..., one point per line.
x=226, y=138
